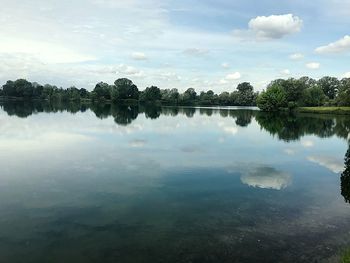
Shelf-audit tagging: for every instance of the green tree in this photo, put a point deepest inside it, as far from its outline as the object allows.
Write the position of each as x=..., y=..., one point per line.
x=170, y=96
x=9, y=89
x=245, y=96
x=224, y=98
x=84, y=94
x=150, y=94
x=329, y=85
x=343, y=98
x=294, y=90
x=313, y=96
x=102, y=91
x=272, y=99
x=234, y=97
x=188, y=97
x=124, y=89
x=208, y=98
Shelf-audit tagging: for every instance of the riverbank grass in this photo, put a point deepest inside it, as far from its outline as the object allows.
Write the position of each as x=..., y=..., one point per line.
x=325, y=110
x=345, y=256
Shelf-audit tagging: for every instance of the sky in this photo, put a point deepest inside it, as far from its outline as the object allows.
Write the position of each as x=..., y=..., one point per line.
x=173, y=44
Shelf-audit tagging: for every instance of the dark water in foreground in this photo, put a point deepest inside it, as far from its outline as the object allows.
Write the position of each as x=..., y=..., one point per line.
x=128, y=184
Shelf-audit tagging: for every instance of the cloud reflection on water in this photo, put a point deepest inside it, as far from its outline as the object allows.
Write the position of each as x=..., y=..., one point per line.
x=329, y=162
x=266, y=177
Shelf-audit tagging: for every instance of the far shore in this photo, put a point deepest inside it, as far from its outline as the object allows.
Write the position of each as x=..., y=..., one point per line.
x=325, y=110
x=315, y=110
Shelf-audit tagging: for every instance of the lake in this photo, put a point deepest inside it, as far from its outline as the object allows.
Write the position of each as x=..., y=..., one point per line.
x=108, y=183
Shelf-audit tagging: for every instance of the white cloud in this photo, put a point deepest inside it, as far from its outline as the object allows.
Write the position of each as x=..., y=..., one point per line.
x=233, y=76
x=313, y=65
x=275, y=26
x=223, y=82
x=169, y=76
x=225, y=65
x=139, y=56
x=108, y=39
x=285, y=72
x=43, y=51
x=120, y=69
x=339, y=46
x=346, y=75
x=195, y=52
x=296, y=56
x=129, y=70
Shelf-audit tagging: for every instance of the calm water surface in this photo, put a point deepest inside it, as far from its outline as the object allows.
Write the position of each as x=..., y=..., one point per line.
x=132, y=184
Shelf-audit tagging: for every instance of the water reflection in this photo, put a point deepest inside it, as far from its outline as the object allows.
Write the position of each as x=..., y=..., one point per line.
x=266, y=178
x=345, y=178
x=329, y=162
x=286, y=127
x=289, y=127
x=134, y=183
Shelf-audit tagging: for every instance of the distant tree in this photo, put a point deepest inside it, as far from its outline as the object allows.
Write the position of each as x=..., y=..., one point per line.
x=313, y=96
x=294, y=90
x=73, y=94
x=208, y=98
x=18, y=88
x=343, y=98
x=308, y=82
x=37, y=90
x=188, y=97
x=102, y=91
x=124, y=89
x=170, y=96
x=245, y=95
x=23, y=88
x=49, y=92
x=9, y=89
x=234, y=98
x=150, y=94
x=272, y=99
x=84, y=94
x=329, y=85
x=289, y=93
x=191, y=93
x=224, y=98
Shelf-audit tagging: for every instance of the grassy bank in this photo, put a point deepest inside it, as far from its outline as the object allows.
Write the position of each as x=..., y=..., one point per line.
x=325, y=110
x=345, y=257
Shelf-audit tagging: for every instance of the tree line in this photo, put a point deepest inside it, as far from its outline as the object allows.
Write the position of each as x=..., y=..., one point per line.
x=280, y=93
x=304, y=92
x=124, y=90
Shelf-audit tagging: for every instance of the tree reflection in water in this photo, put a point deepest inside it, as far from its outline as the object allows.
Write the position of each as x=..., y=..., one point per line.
x=345, y=178
x=286, y=127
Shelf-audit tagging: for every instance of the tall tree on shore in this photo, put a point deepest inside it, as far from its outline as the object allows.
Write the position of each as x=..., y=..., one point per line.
x=273, y=98
x=124, y=89
x=329, y=85
x=245, y=94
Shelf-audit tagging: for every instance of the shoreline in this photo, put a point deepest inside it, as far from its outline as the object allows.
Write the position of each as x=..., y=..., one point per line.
x=325, y=110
